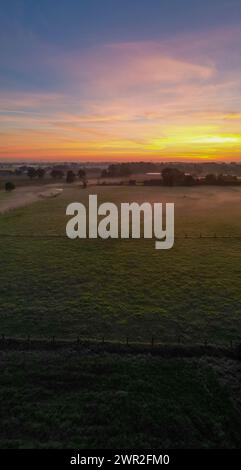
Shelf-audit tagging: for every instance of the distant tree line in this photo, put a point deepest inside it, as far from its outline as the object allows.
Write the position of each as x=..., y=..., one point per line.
x=169, y=175
x=175, y=177
x=194, y=168
x=56, y=173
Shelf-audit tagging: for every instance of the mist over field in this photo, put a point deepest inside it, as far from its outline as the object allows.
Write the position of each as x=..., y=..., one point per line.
x=119, y=288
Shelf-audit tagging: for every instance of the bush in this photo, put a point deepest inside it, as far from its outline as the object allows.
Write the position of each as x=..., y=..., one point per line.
x=9, y=186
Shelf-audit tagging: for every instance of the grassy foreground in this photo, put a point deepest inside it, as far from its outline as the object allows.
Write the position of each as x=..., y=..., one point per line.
x=71, y=400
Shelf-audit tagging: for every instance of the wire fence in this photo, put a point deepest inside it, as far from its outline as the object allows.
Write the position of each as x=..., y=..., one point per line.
x=214, y=236
x=178, y=347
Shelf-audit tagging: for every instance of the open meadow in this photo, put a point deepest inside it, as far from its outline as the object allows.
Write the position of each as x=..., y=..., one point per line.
x=50, y=285
x=110, y=396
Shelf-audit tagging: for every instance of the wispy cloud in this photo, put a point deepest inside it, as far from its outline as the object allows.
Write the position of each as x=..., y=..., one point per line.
x=140, y=98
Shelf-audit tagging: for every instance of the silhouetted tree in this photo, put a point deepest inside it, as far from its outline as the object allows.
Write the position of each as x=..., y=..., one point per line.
x=172, y=176
x=119, y=169
x=40, y=173
x=189, y=180
x=210, y=179
x=82, y=177
x=226, y=179
x=9, y=186
x=70, y=178
x=81, y=174
x=56, y=174
x=104, y=173
x=31, y=172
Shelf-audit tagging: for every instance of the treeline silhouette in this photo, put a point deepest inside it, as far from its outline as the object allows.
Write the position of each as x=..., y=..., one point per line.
x=146, y=173
x=169, y=176
x=194, y=168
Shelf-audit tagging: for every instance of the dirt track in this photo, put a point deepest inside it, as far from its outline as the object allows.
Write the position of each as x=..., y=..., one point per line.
x=24, y=196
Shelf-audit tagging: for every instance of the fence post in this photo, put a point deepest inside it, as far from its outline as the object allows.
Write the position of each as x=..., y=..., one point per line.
x=152, y=341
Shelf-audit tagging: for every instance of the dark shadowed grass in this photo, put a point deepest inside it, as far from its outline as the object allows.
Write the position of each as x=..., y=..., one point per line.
x=66, y=400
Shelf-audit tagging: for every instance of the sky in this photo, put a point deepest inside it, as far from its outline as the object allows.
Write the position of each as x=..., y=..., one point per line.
x=111, y=80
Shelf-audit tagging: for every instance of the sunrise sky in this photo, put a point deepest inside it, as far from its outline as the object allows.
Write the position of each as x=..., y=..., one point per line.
x=120, y=79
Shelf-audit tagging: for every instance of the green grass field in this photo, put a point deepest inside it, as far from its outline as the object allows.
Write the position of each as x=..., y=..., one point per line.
x=54, y=286
x=78, y=400
x=50, y=285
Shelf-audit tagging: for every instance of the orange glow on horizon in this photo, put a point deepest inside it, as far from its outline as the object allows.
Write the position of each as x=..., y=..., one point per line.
x=130, y=101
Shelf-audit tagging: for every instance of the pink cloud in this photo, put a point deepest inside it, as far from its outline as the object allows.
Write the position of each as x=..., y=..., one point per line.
x=122, y=68
x=128, y=92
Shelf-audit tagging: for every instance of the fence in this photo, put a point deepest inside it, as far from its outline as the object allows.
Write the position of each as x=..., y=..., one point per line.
x=185, y=236
x=125, y=346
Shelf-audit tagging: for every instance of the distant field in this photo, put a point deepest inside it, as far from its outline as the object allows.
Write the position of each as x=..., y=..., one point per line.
x=69, y=400
x=24, y=180
x=54, y=286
